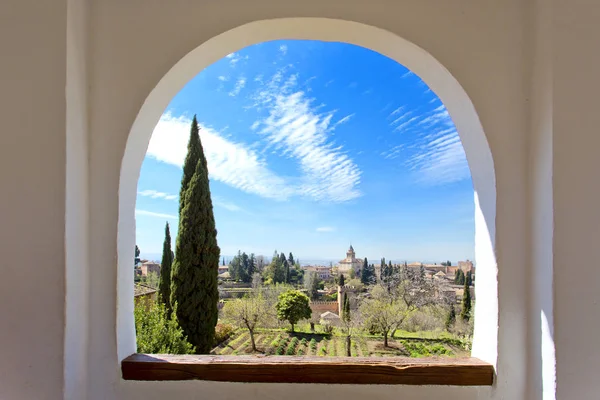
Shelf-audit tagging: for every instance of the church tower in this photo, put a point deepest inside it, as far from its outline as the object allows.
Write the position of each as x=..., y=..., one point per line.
x=350, y=255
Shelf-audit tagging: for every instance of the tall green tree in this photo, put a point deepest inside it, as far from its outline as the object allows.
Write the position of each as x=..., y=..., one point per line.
x=194, y=276
x=194, y=154
x=137, y=256
x=293, y=306
x=469, y=278
x=164, y=288
x=451, y=318
x=342, y=280
x=291, y=259
x=367, y=275
x=465, y=313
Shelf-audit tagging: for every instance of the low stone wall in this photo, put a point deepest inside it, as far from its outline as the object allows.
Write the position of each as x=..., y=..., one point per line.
x=319, y=307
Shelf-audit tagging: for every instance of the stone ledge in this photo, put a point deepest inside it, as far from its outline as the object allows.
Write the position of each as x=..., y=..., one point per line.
x=330, y=370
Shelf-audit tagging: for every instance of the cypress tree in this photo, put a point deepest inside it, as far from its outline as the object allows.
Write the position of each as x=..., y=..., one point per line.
x=364, y=274
x=194, y=153
x=164, y=288
x=342, y=280
x=194, y=290
x=465, y=314
x=451, y=319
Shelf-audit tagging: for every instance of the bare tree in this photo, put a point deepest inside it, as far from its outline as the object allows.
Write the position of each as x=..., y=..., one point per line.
x=383, y=312
x=249, y=312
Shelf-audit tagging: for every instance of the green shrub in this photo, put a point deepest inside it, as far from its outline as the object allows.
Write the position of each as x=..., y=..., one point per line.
x=291, y=349
x=313, y=344
x=323, y=351
x=275, y=341
x=157, y=334
x=223, y=332
x=281, y=348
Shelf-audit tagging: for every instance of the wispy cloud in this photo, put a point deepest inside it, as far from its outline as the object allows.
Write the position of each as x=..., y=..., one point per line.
x=441, y=161
x=344, y=120
x=300, y=132
x=329, y=82
x=407, y=74
x=325, y=229
x=397, y=111
x=234, y=164
x=394, y=152
x=219, y=202
x=234, y=58
x=239, y=85
x=155, y=214
x=223, y=78
x=283, y=49
x=153, y=194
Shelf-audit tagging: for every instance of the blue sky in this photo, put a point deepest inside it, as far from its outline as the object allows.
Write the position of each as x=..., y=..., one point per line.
x=312, y=146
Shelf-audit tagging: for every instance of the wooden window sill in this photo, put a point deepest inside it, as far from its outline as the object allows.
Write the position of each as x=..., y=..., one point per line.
x=331, y=370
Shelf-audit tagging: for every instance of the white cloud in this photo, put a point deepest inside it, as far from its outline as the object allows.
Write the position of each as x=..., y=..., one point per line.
x=407, y=74
x=155, y=214
x=397, y=110
x=234, y=58
x=239, y=85
x=223, y=78
x=219, y=202
x=325, y=229
x=344, y=120
x=300, y=132
x=229, y=162
x=158, y=195
x=283, y=49
x=294, y=129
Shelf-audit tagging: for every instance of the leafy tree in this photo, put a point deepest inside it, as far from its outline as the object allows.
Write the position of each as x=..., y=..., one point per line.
x=342, y=280
x=137, y=256
x=311, y=284
x=156, y=333
x=152, y=280
x=194, y=285
x=469, y=278
x=164, y=289
x=194, y=154
x=223, y=261
x=451, y=318
x=275, y=271
x=291, y=259
x=293, y=306
x=465, y=313
x=249, y=312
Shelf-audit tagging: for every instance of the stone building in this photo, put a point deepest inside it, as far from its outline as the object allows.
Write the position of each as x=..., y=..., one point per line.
x=350, y=262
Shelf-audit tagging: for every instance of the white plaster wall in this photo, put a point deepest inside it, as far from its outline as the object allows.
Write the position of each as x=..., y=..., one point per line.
x=77, y=204
x=480, y=43
x=541, y=357
x=576, y=121
x=32, y=198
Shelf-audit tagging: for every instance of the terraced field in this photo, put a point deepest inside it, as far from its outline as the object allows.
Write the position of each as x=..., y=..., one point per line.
x=283, y=343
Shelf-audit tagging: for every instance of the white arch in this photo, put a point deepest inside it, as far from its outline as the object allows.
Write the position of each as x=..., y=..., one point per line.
x=404, y=52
